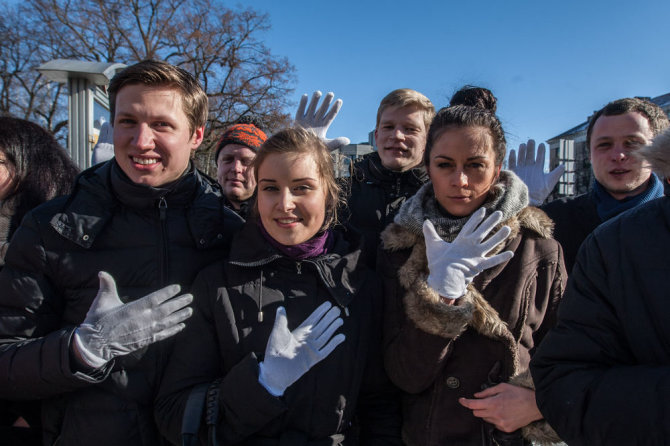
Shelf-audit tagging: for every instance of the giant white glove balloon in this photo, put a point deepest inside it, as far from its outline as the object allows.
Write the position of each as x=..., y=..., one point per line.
x=319, y=120
x=531, y=171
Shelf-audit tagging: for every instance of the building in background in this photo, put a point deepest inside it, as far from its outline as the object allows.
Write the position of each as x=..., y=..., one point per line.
x=569, y=148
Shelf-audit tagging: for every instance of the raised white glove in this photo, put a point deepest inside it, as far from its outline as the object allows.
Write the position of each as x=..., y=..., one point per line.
x=319, y=120
x=104, y=148
x=290, y=354
x=531, y=171
x=112, y=328
x=452, y=266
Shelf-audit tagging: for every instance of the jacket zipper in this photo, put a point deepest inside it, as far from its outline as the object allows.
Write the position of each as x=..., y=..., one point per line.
x=162, y=214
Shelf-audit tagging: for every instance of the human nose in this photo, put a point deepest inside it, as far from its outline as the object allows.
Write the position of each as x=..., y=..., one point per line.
x=144, y=139
x=398, y=134
x=237, y=166
x=459, y=179
x=286, y=200
x=619, y=153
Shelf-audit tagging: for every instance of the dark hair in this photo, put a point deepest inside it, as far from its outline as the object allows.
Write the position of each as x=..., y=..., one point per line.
x=475, y=97
x=301, y=142
x=156, y=73
x=41, y=168
x=658, y=121
x=467, y=116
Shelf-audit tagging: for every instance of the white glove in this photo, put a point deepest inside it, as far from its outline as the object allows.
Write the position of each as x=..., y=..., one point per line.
x=452, y=266
x=531, y=171
x=289, y=355
x=104, y=148
x=112, y=328
x=319, y=120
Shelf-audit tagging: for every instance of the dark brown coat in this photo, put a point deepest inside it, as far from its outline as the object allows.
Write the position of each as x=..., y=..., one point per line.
x=437, y=353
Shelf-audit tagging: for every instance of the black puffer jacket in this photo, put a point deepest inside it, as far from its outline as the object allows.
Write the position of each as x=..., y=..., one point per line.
x=235, y=305
x=50, y=279
x=574, y=219
x=602, y=374
x=375, y=196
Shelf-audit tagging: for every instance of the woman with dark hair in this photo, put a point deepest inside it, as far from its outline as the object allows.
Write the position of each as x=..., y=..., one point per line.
x=34, y=168
x=473, y=279
x=285, y=338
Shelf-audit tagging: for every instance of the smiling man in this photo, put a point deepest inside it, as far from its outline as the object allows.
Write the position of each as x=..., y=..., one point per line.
x=621, y=182
x=149, y=219
x=235, y=154
x=382, y=181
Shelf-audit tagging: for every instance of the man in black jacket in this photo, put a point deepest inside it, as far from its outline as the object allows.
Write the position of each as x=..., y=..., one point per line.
x=602, y=375
x=382, y=181
x=621, y=181
x=149, y=219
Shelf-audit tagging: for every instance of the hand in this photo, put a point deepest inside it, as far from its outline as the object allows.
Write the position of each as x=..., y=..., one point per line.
x=104, y=148
x=112, y=328
x=320, y=120
x=452, y=266
x=290, y=354
x=505, y=406
x=531, y=171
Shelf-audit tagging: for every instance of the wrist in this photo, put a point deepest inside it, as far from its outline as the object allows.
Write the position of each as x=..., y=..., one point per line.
x=265, y=381
x=83, y=355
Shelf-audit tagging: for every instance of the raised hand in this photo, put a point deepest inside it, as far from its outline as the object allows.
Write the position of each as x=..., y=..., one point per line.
x=319, y=120
x=531, y=170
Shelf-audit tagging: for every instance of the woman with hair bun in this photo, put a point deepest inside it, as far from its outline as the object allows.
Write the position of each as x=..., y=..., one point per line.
x=472, y=280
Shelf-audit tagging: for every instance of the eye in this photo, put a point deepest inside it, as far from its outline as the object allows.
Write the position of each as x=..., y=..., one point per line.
x=633, y=143
x=270, y=188
x=125, y=121
x=162, y=124
x=476, y=165
x=247, y=162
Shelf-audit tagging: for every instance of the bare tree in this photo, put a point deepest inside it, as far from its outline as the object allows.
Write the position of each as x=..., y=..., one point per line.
x=221, y=46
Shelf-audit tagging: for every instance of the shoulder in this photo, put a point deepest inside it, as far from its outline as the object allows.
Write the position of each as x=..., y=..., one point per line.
x=567, y=205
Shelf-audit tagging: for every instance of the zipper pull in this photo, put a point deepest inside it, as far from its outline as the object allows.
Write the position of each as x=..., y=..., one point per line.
x=298, y=267
x=162, y=208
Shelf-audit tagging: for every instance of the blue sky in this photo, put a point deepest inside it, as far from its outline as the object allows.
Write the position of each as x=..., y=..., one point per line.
x=549, y=63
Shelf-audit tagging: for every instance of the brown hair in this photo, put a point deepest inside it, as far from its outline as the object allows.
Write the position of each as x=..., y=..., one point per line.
x=299, y=141
x=658, y=121
x=466, y=116
x=405, y=97
x=156, y=73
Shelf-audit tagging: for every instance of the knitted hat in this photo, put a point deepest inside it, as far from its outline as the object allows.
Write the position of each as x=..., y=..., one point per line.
x=245, y=134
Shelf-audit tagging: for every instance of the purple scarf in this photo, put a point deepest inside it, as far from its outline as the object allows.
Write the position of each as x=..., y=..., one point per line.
x=318, y=245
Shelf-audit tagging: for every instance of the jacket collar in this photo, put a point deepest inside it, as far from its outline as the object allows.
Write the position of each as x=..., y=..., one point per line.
x=97, y=197
x=372, y=169
x=341, y=271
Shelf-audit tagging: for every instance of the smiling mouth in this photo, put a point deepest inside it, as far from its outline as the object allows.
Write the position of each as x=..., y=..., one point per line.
x=287, y=221
x=145, y=161
x=619, y=172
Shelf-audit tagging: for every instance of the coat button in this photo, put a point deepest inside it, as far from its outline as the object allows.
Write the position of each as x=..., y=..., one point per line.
x=453, y=382
x=202, y=241
x=85, y=237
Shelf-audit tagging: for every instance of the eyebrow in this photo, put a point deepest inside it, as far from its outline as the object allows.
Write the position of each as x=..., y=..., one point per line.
x=477, y=157
x=297, y=180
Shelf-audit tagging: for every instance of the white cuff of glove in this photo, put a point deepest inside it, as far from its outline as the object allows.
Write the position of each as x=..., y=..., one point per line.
x=264, y=383
x=89, y=358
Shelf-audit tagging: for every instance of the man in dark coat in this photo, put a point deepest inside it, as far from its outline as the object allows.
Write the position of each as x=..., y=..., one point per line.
x=149, y=219
x=602, y=375
x=382, y=181
x=621, y=181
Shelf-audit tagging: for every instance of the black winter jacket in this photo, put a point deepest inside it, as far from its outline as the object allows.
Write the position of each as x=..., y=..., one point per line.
x=234, y=311
x=574, y=219
x=602, y=374
x=375, y=196
x=145, y=240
